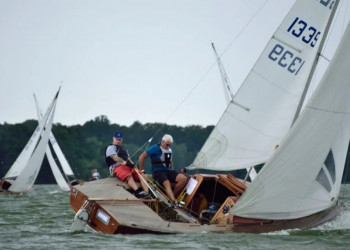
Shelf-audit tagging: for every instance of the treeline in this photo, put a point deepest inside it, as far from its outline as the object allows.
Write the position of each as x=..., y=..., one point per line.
x=84, y=145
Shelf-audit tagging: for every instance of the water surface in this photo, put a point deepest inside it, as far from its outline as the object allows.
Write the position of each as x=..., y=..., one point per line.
x=42, y=218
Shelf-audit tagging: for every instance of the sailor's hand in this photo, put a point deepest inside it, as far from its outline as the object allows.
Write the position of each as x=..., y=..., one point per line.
x=124, y=163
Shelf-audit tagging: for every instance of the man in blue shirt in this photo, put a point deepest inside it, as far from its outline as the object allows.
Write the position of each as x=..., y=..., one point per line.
x=162, y=166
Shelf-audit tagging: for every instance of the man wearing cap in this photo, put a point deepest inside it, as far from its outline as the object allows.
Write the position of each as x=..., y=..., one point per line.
x=120, y=165
x=162, y=166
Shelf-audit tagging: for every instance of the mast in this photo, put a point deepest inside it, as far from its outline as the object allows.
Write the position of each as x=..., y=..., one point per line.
x=336, y=3
x=224, y=77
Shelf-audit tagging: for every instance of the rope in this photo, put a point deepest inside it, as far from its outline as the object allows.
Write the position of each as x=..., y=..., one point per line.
x=145, y=145
x=212, y=201
x=211, y=67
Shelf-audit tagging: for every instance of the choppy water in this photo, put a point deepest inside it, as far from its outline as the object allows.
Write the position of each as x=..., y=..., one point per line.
x=41, y=220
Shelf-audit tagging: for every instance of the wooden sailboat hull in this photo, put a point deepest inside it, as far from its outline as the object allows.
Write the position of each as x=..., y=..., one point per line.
x=5, y=184
x=245, y=225
x=114, y=210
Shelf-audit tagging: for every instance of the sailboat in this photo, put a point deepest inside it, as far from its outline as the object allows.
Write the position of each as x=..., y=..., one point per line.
x=63, y=179
x=303, y=152
x=22, y=174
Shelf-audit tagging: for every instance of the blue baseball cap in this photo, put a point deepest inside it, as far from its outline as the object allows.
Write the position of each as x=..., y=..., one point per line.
x=118, y=135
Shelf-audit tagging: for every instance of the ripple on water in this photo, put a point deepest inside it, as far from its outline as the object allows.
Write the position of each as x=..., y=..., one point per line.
x=41, y=220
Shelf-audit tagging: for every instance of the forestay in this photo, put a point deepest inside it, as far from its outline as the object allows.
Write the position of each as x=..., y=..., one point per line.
x=262, y=110
x=304, y=175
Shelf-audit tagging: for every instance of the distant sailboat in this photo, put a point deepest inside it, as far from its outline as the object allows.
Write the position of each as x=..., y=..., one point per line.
x=21, y=176
x=62, y=181
x=299, y=185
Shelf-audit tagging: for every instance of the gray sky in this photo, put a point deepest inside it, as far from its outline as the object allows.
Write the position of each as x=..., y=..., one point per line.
x=145, y=60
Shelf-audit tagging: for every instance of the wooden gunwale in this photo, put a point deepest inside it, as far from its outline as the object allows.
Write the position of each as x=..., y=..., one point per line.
x=122, y=200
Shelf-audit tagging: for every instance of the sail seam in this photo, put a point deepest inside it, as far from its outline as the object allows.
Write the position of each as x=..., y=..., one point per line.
x=253, y=128
x=274, y=84
x=329, y=111
x=287, y=44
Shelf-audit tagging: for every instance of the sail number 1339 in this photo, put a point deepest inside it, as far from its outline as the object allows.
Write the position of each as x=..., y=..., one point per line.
x=308, y=34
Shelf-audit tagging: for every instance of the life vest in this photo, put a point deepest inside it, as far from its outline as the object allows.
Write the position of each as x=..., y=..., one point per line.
x=121, y=152
x=164, y=160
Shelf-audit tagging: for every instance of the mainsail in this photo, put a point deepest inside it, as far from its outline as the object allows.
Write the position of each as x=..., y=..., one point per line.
x=262, y=111
x=304, y=176
x=26, y=178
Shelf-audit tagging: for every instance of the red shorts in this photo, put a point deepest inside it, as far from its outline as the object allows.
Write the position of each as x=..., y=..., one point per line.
x=124, y=172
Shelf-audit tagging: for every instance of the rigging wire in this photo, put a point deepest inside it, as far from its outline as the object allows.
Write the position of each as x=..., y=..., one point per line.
x=201, y=79
x=211, y=66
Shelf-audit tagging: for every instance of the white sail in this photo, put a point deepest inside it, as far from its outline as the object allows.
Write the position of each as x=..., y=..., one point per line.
x=60, y=156
x=21, y=161
x=304, y=176
x=262, y=110
x=25, y=180
x=229, y=97
x=61, y=181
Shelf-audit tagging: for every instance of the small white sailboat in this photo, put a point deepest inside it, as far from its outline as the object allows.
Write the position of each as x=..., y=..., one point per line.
x=298, y=187
x=62, y=179
x=21, y=176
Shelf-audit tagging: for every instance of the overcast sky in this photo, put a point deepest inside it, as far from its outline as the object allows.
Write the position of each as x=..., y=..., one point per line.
x=131, y=60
